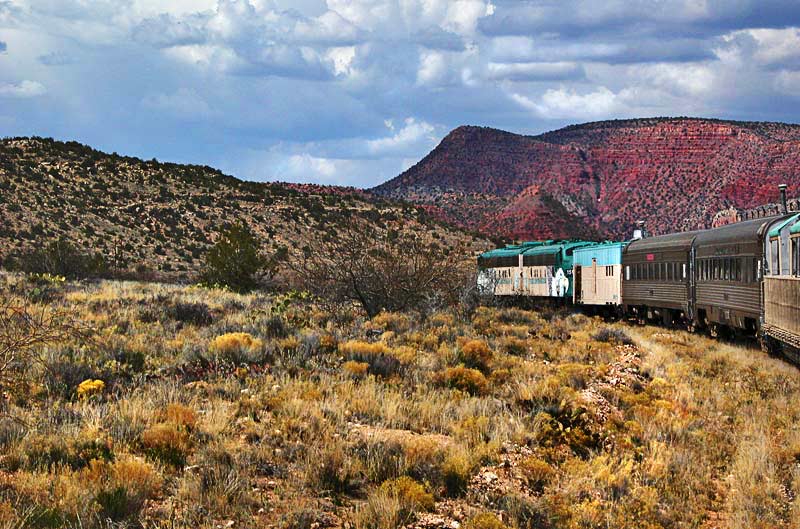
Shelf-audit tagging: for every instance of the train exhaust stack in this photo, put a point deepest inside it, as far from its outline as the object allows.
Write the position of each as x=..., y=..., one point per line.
x=639, y=232
x=784, y=206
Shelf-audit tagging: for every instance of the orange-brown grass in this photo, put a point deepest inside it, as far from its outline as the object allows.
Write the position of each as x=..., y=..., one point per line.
x=305, y=417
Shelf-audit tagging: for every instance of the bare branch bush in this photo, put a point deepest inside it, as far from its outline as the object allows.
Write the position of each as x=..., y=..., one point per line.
x=24, y=328
x=393, y=271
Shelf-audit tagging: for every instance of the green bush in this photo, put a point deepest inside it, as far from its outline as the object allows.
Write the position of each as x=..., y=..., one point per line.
x=235, y=261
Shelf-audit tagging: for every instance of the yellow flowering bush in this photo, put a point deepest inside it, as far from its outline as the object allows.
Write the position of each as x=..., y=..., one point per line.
x=89, y=388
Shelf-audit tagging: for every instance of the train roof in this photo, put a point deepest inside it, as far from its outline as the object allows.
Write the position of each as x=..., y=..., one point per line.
x=672, y=241
x=511, y=250
x=602, y=246
x=744, y=231
x=556, y=247
x=776, y=229
x=602, y=253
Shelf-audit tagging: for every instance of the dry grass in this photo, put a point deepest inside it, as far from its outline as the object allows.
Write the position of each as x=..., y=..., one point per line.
x=508, y=419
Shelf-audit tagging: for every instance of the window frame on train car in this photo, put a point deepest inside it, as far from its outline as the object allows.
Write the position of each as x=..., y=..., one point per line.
x=627, y=272
x=794, y=256
x=775, y=255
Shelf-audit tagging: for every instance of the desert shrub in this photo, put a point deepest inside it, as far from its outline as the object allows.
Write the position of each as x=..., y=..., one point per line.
x=235, y=347
x=90, y=388
x=60, y=258
x=50, y=452
x=611, y=335
x=235, y=261
x=475, y=354
x=194, y=313
x=456, y=473
x=219, y=484
x=513, y=346
x=378, y=355
x=567, y=425
x=167, y=442
x=328, y=343
x=392, y=321
x=485, y=520
x=576, y=376
x=378, y=272
x=123, y=486
x=537, y=473
x=275, y=327
x=462, y=378
x=305, y=516
x=24, y=329
x=180, y=415
x=381, y=511
x=355, y=369
x=133, y=360
x=331, y=470
x=394, y=504
x=528, y=513
x=410, y=495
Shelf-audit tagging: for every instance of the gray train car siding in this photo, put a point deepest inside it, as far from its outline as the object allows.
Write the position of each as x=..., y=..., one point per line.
x=728, y=263
x=781, y=318
x=657, y=276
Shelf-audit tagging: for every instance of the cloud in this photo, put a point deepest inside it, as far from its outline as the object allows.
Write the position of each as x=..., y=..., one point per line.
x=674, y=17
x=22, y=90
x=55, y=58
x=184, y=104
x=535, y=71
x=304, y=89
x=413, y=135
x=167, y=30
x=563, y=103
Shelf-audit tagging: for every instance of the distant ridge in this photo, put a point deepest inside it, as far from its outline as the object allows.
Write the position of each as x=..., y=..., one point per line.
x=162, y=217
x=673, y=173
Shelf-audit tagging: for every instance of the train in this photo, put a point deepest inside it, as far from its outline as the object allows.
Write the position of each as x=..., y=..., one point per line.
x=741, y=278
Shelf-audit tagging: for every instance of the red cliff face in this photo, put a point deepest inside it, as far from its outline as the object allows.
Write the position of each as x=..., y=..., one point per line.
x=675, y=174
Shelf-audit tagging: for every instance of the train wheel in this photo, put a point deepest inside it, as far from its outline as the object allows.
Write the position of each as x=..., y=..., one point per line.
x=714, y=329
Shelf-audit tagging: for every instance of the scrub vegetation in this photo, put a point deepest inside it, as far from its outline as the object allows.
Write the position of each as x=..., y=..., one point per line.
x=149, y=405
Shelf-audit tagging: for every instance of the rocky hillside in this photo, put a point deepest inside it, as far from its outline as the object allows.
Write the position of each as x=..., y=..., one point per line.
x=161, y=217
x=674, y=173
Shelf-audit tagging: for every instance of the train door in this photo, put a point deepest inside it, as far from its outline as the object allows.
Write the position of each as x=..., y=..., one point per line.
x=578, y=284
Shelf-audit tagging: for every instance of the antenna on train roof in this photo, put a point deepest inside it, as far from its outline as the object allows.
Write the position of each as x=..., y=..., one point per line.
x=639, y=232
x=784, y=206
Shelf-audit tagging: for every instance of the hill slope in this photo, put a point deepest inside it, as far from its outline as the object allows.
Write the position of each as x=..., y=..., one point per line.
x=674, y=173
x=163, y=216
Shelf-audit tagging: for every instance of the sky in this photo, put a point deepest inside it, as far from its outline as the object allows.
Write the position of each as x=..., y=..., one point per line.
x=354, y=92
